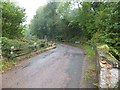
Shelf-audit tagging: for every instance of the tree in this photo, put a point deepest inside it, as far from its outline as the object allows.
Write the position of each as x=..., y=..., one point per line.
x=45, y=22
x=12, y=18
x=97, y=22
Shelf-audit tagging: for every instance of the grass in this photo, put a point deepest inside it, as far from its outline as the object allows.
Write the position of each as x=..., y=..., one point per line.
x=89, y=50
x=91, y=74
x=6, y=65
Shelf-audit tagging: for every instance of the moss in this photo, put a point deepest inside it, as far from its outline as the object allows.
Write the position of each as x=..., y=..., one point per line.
x=103, y=50
x=103, y=47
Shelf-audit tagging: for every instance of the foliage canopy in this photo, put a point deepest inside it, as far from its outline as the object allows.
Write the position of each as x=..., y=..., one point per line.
x=12, y=18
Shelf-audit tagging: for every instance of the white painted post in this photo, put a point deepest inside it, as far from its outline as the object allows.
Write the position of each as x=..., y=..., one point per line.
x=12, y=50
x=45, y=38
x=35, y=44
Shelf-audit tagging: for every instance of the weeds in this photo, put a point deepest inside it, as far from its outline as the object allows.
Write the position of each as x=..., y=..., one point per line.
x=90, y=52
x=6, y=65
x=91, y=74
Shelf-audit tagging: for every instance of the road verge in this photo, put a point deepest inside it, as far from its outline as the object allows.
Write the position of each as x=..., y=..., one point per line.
x=9, y=64
x=90, y=79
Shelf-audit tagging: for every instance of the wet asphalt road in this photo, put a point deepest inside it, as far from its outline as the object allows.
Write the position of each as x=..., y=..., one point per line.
x=61, y=67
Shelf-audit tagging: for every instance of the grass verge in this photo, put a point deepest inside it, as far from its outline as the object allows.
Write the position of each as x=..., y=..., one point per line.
x=6, y=65
x=91, y=72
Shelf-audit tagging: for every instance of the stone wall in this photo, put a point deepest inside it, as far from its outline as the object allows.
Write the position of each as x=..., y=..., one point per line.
x=108, y=68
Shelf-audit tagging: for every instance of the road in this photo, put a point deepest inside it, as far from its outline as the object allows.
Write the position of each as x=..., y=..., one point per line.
x=62, y=67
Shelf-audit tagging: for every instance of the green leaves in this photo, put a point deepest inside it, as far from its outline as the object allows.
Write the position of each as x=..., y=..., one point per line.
x=95, y=21
x=21, y=46
x=45, y=22
x=12, y=18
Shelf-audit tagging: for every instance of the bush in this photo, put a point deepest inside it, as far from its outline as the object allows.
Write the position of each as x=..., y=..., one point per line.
x=21, y=46
x=115, y=53
x=42, y=45
x=8, y=43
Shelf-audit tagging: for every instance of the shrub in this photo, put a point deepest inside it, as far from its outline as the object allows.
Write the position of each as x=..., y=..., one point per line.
x=21, y=46
x=115, y=53
x=42, y=45
x=8, y=43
